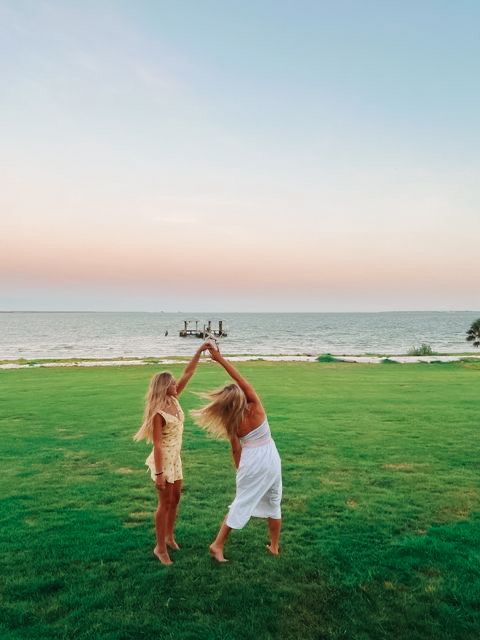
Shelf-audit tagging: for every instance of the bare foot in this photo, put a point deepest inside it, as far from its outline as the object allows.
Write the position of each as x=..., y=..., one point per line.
x=217, y=553
x=274, y=550
x=172, y=544
x=162, y=556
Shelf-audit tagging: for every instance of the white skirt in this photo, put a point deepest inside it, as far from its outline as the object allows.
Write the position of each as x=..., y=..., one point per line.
x=259, y=486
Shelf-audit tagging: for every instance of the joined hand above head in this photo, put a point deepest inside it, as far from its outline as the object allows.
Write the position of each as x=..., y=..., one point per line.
x=214, y=352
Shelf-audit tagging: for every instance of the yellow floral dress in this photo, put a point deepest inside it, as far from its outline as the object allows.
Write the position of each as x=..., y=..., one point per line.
x=172, y=433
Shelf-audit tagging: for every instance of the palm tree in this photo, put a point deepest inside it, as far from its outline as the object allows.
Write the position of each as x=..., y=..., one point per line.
x=473, y=334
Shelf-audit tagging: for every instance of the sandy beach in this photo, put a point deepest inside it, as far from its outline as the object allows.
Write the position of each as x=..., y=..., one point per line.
x=401, y=359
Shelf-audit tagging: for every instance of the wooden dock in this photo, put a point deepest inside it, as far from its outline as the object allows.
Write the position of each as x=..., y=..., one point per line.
x=206, y=331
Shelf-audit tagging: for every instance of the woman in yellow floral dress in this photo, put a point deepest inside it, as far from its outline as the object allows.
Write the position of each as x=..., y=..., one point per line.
x=163, y=427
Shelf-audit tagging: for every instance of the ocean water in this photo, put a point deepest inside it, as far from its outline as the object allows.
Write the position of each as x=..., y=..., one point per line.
x=111, y=335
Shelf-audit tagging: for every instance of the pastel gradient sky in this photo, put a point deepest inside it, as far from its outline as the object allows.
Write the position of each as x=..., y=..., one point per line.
x=239, y=156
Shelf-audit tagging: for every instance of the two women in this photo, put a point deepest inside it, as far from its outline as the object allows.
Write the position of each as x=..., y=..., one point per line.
x=234, y=412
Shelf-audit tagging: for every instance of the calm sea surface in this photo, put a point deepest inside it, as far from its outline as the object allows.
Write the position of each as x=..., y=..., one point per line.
x=99, y=335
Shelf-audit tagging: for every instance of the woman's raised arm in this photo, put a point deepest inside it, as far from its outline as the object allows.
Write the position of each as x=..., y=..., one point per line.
x=190, y=368
x=244, y=385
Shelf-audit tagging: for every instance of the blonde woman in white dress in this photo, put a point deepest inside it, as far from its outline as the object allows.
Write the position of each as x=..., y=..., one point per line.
x=236, y=412
x=163, y=427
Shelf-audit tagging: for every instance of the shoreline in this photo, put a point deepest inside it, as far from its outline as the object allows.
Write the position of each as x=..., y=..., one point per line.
x=36, y=363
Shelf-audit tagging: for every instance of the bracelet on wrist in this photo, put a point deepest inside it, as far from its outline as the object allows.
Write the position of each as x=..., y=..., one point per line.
x=159, y=473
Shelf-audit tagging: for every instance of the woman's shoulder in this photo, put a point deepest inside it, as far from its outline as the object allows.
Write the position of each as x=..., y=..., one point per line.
x=166, y=412
x=161, y=411
x=255, y=412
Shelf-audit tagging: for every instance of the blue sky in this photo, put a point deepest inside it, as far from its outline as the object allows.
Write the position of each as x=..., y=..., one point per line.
x=240, y=155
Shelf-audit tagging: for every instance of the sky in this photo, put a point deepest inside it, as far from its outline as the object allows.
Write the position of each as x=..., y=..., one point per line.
x=239, y=155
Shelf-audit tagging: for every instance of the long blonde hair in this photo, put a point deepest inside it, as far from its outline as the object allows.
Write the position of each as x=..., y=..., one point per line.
x=224, y=413
x=155, y=398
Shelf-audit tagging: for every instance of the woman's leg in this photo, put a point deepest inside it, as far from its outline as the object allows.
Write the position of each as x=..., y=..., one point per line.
x=274, y=526
x=161, y=515
x=216, y=548
x=176, y=490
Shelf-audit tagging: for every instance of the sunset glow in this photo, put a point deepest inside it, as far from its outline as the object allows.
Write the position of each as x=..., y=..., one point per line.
x=276, y=157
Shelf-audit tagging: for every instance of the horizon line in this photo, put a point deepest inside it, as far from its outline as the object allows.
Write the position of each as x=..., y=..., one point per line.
x=239, y=312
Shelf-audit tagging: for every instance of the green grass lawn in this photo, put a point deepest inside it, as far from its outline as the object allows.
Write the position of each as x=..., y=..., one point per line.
x=381, y=509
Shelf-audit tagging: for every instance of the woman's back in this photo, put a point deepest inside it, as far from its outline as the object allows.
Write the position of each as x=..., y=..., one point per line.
x=257, y=437
x=254, y=417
